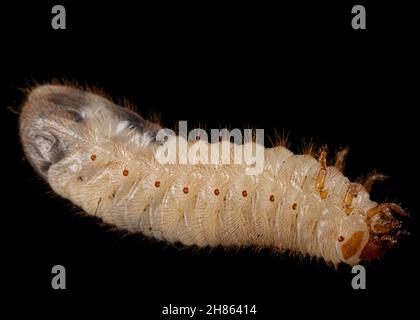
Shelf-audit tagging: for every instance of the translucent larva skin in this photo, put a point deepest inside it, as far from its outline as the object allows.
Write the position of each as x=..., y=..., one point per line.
x=102, y=158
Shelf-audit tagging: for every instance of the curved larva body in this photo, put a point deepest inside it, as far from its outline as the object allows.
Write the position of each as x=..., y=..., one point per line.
x=109, y=169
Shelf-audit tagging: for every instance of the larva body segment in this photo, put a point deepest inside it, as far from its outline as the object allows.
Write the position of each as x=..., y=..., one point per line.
x=102, y=158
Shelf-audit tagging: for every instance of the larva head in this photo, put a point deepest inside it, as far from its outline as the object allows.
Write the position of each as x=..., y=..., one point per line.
x=385, y=230
x=57, y=119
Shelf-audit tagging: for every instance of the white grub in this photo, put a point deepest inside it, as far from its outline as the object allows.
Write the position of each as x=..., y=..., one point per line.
x=101, y=157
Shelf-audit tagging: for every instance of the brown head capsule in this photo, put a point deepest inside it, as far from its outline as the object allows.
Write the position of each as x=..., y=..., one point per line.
x=385, y=229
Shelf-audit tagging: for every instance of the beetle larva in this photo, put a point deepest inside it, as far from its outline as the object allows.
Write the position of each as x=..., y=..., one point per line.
x=102, y=157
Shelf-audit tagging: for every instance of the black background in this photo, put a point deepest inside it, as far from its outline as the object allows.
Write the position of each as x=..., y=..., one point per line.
x=297, y=68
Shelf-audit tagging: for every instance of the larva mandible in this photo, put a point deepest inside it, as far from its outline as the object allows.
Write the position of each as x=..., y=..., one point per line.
x=102, y=157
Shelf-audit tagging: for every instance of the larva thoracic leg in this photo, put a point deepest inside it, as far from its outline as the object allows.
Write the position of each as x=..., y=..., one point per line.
x=102, y=157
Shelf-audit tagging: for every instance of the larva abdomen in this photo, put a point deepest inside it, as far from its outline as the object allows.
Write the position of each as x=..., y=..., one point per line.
x=103, y=158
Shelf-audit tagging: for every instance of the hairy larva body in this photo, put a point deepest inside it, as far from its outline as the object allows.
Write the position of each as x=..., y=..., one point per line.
x=102, y=158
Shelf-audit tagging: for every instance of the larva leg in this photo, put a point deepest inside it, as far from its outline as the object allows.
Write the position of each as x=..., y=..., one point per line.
x=386, y=208
x=348, y=199
x=368, y=184
x=320, y=181
x=340, y=158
